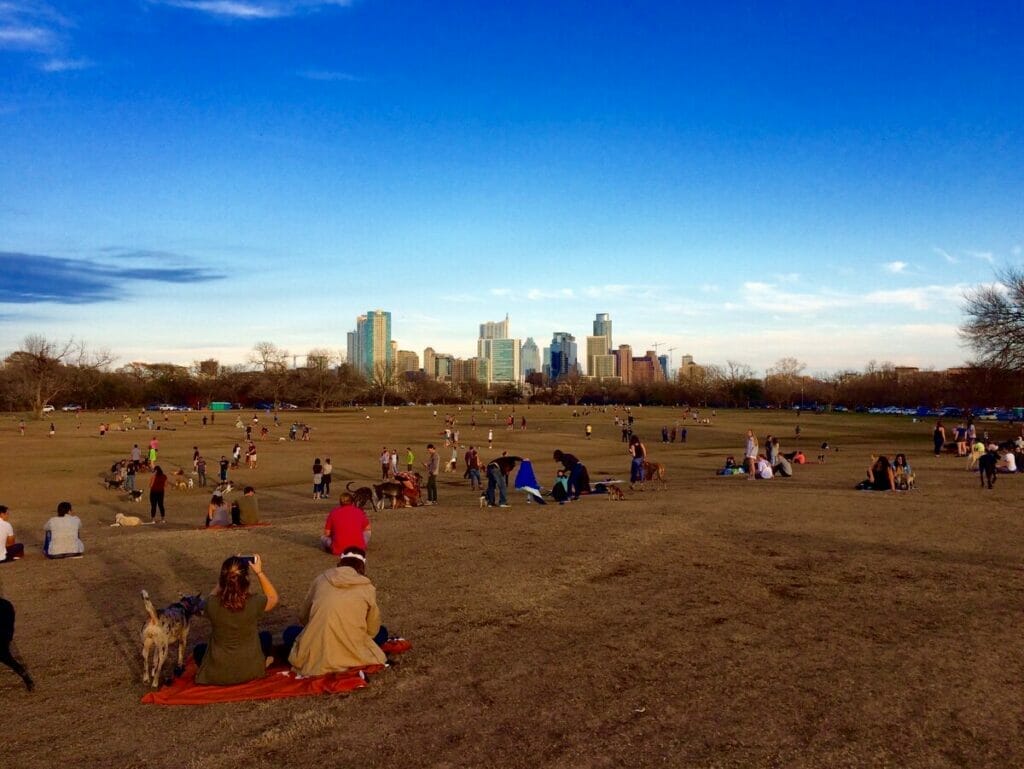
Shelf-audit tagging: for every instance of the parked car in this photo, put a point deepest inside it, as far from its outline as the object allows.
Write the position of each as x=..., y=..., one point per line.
x=48, y=408
x=166, y=407
x=71, y=407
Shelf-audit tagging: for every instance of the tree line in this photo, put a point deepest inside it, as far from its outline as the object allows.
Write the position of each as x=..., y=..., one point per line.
x=44, y=372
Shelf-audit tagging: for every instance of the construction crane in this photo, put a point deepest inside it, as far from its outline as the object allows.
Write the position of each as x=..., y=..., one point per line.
x=656, y=345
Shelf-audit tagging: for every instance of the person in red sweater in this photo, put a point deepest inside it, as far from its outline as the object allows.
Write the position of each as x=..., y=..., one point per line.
x=346, y=526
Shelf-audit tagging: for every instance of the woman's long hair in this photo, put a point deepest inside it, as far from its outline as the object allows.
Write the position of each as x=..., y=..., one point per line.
x=234, y=584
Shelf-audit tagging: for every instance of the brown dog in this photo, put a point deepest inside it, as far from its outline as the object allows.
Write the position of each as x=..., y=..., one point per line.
x=403, y=492
x=614, y=493
x=654, y=471
x=362, y=496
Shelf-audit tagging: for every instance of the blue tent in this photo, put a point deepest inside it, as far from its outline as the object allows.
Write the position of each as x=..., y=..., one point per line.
x=526, y=480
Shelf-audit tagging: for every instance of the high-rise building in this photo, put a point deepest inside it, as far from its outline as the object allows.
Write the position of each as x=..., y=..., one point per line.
x=371, y=344
x=502, y=352
x=600, y=361
x=406, y=360
x=429, y=363
x=663, y=362
x=647, y=370
x=529, y=357
x=687, y=368
x=445, y=366
x=603, y=327
x=497, y=329
x=563, y=359
x=624, y=363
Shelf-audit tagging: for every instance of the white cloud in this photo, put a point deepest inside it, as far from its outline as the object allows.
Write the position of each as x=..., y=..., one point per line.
x=254, y=9
x=767, y=297
x=1015, y=250
x=65, y=65
x=950, y=259
x=538, y=294
x=327, y=75
x=501, y=292
x=14, y=36
x=985, y=256
x=709, y=288
x=895, y=267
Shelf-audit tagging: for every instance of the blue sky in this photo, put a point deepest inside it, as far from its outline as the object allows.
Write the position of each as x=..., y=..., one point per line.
x=181, y=179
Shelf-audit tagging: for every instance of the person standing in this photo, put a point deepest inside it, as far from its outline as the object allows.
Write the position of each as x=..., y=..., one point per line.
x=21, y=427
x=473, y=468
x=433, y=466
x=939, y=437
x=201, y=470
x=496, y=483
x=409, y=459
x=9, y=549
x=393, y=460
x=328, y=470
x=589, y=430
x=638, y=453
x=318, y=479
x=750, y=455
x=490, y=437
x=157, y=486
x=385, y=463
x=129, y=476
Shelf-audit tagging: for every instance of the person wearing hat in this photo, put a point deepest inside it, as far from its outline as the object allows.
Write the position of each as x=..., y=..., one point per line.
x=341, y=626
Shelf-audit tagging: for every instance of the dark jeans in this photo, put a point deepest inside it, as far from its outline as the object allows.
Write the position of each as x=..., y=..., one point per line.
x=6, y=637
x=432, y=488
x=474, y=478
x=156, y=500
x=266, y=644
x=14, y=552
x=496, y=481
x=579, y=480
x=327, y=485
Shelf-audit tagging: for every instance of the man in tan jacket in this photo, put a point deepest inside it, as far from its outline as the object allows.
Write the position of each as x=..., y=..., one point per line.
x=341, y=621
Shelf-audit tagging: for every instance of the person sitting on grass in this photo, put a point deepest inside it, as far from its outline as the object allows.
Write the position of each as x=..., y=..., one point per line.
x=579, y=478
x=880, y=476
x=560, y=489
x=9, y=549
x=341, y=626
x=903, y=476
x=237, y=651
x=1007, y=462
x=249, y=507
x=763, y=468
x=217, y=512
x=346, y=526
x=61, y=534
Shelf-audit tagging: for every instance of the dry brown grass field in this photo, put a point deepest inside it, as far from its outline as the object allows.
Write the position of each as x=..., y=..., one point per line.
x=717, y=623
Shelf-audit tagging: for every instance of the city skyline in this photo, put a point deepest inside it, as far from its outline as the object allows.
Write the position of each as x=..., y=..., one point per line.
x=182, y=180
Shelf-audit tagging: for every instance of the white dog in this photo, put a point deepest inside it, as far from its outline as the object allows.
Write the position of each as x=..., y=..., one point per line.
x=126, y=520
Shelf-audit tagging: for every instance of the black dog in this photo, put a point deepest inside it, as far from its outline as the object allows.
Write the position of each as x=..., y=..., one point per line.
x=987, y=467
x=6, y=637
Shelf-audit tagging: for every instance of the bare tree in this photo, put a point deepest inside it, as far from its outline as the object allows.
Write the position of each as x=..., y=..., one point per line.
x=384, y=379
x=273, y=363
x=321, y=377
x=43, y=368
x=994, y=327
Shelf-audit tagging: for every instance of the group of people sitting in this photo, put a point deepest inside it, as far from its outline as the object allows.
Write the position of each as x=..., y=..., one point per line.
x=61, y=536
x=341, y=624
x=883, y=475
x=241, y=512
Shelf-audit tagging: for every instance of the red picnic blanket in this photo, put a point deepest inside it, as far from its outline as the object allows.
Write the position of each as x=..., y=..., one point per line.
x=279, y=682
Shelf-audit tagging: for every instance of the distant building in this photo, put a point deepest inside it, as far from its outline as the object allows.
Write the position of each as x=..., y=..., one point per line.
x=529, y=357
x=406, y=360
x=370, y=344
x=600, y=362
x=603, y=327
x=647, y=370
x=563, y=355
x=501, y=352
x=624, y=363
x=430, y=363
x=687, y=368
x=663, y=362
x=209, y=367
x=444, y=366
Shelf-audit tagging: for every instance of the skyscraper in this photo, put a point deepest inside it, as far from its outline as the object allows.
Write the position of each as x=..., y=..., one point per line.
x=563, y=354
x=603, y=327
x=430, y=363
x=529, y=357
x=370, y=343
x=502, y=352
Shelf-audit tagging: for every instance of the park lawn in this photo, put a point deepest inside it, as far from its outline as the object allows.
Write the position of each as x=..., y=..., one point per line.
x=716, y=623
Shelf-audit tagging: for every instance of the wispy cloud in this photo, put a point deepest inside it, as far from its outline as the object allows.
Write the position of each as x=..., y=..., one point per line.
x=768, y=297
x=327, y=76
x=65, y=65
x=950, y=259
x=34, y=278
x=985, y=256
x=253, y=9
x=895, y=267
x=1015, y=250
